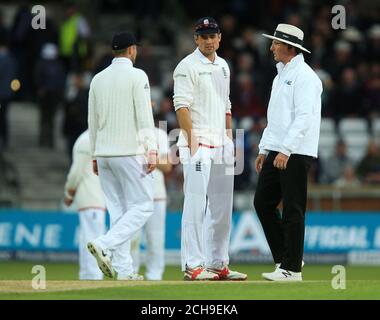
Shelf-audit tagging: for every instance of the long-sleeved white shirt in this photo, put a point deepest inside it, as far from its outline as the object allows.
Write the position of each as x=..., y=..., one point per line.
x=294, y=111
x=120, y=116
x=81, y=177
x=203, y=87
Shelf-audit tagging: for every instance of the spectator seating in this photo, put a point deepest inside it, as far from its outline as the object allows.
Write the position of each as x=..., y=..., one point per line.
x=246, y=123
x=356, y=145
x=376, y=127
x=328, y=138
x=327, y=126
x=352, y=126
x=327, y=143
x=355, y=134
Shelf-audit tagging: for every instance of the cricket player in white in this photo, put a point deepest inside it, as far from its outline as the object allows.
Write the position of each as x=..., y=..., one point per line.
x=203, y=108
x=154, y=229
x=124, y=146
x=83, y=188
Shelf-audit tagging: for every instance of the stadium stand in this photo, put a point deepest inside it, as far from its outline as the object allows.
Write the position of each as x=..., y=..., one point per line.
x=347, y=62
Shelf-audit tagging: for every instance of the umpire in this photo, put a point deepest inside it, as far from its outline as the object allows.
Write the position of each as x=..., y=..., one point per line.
x=287, y=147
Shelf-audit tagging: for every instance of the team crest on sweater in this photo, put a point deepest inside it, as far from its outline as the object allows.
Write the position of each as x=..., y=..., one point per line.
x=225, y=72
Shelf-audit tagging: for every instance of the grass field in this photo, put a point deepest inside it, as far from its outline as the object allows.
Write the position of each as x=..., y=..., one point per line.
x=16, y=277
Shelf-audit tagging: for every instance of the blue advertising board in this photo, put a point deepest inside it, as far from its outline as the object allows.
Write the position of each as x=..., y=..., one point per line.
x=342, y=232
x=335, y=232
x=38, y=231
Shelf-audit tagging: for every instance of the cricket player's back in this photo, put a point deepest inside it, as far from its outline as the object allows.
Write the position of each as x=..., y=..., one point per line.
x=81, y=177
x=118, y=105
x=116, y=83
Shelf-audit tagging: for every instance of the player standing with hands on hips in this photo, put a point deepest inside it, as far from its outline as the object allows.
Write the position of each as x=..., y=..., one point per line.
x=286, y=150
x=203, y=108
x=124, y=148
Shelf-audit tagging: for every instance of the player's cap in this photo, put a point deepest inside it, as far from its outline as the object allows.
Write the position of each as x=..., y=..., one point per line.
x=122, y=40
x=206, y=25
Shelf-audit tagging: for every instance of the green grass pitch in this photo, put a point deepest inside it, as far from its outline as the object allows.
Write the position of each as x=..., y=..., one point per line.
x=16, y=283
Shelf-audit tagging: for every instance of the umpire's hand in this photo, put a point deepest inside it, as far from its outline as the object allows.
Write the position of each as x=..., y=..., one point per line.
x=281, y=161
x=259, y=162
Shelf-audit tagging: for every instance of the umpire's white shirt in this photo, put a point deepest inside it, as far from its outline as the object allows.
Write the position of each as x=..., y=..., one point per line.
x=203, y=87
x=81, y=177
x=294, y=111
x=119, y=109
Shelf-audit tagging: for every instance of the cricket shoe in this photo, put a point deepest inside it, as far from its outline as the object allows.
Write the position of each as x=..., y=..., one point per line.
x=227, y=274
x=282, y=275
x=199, y=274
x=103, y=259
x=279, y=264
x=130, y=277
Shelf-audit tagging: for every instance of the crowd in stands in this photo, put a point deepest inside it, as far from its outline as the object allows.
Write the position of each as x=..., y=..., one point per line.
x=55, y=66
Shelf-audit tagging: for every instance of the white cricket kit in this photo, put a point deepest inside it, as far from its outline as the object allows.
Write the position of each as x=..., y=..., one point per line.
x=121, y=132
x=154, y=228
x=91, y=205
x=203, y=88
x=120, y=115
x=91, y=225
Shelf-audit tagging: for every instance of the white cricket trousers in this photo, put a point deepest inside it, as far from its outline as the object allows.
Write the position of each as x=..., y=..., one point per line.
x=207, y=209
x=92, y=224
x=128, y=191
x=154, y=232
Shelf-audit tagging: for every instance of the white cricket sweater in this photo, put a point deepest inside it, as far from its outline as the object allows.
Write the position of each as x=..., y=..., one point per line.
x=294, y=111
x=203, y=87
x=120, y=116
x=81, y=177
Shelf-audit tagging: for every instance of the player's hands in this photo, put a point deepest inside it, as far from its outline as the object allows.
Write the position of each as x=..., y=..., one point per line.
x=95, y=167
x=194, y=148
x=68, y=201
x=259, y=162
x=69, y=197
x=281, y=161
x=193, y=145
x=152, y=161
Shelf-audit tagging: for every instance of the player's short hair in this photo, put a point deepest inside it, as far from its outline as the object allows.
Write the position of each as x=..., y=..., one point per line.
x=119, y=52
x=298, y=50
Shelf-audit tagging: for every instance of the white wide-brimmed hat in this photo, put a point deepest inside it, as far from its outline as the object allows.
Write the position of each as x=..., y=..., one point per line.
x=288, y=34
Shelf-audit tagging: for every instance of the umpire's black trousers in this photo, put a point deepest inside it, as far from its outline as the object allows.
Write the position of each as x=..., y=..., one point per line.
x=285, y=233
